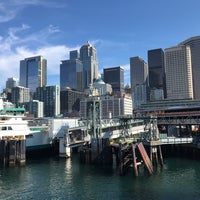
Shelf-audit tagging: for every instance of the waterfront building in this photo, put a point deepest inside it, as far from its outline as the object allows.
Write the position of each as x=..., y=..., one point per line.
x=89, y=60
x=156, y=94
x=33, y=72
x=194, y=43
x=115, y=77
x=156, y=71
x=70, y=102
x=178, y=72
x=20, y=95
x=139, y=80
x=111, y=106
x=50, y=95
x=71, y=73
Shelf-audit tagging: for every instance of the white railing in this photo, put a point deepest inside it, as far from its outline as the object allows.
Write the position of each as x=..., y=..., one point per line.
x=174, y=140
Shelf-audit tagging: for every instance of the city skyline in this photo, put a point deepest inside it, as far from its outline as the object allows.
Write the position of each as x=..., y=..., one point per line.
x=117, y=30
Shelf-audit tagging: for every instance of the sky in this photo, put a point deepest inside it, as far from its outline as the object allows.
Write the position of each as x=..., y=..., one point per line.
x=119, y=29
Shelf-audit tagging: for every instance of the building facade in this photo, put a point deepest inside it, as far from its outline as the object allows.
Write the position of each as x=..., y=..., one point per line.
x=111, y=106
x=138, y=72
x=139, y=80
x=71, y=74
x=194, y=43
x=115, y=77
x=12, y=82
x=20, y=95
x=70, y=102
x=50, y=95
x=33, y=72
x=156, y=74
x=178, y=66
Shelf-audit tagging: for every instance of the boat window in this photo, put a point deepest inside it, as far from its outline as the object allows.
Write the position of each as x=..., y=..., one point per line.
x=9, y=128
x=3, y=128
x=29, y=136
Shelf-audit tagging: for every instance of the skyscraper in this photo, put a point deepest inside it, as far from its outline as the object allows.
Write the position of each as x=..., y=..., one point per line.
x=139, y=80
x=33, y=72
x=156, y=69
x=50, y=95
x=71, y=74
x=90, y=64
x=194, y=43
x=138, y=72
x=178, y=72
x=12, y=82
x=20, y=95
x=115, y=77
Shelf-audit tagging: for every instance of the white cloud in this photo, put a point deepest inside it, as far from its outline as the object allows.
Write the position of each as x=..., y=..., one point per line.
x=9, y=9
x=17, y=46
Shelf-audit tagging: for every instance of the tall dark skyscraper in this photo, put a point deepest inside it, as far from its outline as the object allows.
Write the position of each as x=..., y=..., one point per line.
x=71, y=72
x=194, y=43
x=156, y=69
x=80, y=70
x=33, y=72
x=115, y=77
x=138, y=72
x=138, y=77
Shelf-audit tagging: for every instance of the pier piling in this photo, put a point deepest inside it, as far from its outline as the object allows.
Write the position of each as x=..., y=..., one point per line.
x=12, y=151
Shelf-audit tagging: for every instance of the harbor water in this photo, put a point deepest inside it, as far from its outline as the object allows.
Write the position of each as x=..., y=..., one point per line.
x=55, y=178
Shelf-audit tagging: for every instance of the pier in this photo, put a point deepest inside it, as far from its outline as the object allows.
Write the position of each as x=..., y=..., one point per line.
x=134, y=141
x=12, y=151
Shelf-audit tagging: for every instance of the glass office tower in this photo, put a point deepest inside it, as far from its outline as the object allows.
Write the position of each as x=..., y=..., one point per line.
x=90, y=64
x=33, y=72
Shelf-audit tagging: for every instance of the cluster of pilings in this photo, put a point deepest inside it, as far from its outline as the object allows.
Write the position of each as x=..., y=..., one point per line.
x=12, y=151
x=98, y=152
x=127, y=155
x=136, y=155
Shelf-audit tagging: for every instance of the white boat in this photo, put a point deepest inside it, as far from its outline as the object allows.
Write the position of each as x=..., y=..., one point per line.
x=13, y=125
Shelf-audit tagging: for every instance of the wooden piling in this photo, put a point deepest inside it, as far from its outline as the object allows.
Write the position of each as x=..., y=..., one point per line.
x=12, y=151
x=134, y=160
x=145, y=158
x=161, y=157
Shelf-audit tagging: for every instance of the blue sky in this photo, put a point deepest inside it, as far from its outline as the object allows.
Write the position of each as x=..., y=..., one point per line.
x=119, y=30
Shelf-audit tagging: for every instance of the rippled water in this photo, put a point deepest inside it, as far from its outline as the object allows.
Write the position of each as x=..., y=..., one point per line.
x=53, y=178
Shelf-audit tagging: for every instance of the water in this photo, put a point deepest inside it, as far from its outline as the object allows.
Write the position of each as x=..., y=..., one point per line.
x=54, y=178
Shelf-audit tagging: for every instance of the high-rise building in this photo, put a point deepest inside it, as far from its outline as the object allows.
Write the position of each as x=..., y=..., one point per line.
x=194, y=43
x=50, y=95
x=111, y=106
x=71, y=74
x=20, y=95
x=139, y=80
x=33, y=72
x=70, y=102
x=156, y=70
x=178, y=72
x=12, y=82
x=90, y=64
x=138, y=72
x=115, y=77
